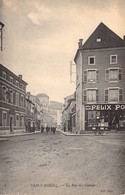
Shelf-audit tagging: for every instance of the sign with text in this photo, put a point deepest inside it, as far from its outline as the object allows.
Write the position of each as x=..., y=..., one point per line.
x=105, y=107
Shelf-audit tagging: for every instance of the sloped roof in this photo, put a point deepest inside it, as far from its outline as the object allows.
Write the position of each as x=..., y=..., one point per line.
x=108, y=39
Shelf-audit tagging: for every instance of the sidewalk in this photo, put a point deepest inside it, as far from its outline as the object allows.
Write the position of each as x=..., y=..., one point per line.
x=18, y=134
x=92, y=133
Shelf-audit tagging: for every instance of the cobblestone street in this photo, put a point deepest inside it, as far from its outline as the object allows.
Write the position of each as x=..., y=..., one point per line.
x=50, y=164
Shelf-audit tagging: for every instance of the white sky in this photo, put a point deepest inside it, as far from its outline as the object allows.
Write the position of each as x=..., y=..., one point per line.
x=41, y=37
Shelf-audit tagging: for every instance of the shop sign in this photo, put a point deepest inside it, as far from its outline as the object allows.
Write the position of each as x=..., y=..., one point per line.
x=105, y=107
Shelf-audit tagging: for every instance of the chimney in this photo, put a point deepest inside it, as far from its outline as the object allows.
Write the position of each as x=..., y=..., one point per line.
x=80, y=43
x=20, y=76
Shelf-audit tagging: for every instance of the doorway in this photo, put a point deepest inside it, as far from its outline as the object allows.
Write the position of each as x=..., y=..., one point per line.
x=11, y=123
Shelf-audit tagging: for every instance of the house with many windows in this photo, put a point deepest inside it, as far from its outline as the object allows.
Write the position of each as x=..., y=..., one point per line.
x=12, y=101
x=100, y=80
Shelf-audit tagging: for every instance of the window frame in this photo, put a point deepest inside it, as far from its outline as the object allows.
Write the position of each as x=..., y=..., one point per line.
x=91, y=89
x=11, y=79
x=96, y=80
x=107, y=74
x=119, y=95
x=111, y=59
x=89, y=57
x=4, y=74
x=5, y=122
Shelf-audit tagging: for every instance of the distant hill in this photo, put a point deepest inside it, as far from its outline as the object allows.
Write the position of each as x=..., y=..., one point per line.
x=55, y=105
x=42, y=95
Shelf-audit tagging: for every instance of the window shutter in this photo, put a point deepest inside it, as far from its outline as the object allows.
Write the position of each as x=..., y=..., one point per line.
x=85, y=75
x=84, y=96
x=120, y=74
x=97, y=75
x=97, y=95
x=107, y=74
x=120, y=95
x=106, y=95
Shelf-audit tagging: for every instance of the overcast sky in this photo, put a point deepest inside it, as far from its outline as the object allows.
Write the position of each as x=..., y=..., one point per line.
x=41, y=37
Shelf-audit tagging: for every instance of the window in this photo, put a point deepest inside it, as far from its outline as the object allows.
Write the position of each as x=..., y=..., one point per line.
x=17, y=119
x=113, y=59
x=10, y=96
x=113, y=95
x=4, y=75
x=4, y=118
x=90, y=95
x=91, y=60
x=22, y=101
x=91, y=75
x=17, y=83
x=21, y=86
x=17, y=98
x=11, y=79
x=113, y=74
x=4, y=93
x=98, y=40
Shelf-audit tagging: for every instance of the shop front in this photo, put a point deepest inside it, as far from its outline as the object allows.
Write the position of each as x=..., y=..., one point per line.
x=110, y=116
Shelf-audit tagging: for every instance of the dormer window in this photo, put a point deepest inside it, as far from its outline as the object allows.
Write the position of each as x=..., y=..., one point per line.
x=98, y=40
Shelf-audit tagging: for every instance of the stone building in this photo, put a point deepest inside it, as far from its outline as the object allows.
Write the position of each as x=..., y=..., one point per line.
x=30, y=114
x=100, y=80
x=12, y=101
x=69, y=114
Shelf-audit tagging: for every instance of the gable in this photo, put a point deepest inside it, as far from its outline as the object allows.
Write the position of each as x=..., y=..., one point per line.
x=103, y=37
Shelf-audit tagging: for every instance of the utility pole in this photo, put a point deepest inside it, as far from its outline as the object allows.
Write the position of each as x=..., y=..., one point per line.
x=1, y=35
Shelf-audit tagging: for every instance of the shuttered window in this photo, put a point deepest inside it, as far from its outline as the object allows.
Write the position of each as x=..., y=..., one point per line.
x=113, y=74
x=90, y=95
x=91, y=76
x=114, y=95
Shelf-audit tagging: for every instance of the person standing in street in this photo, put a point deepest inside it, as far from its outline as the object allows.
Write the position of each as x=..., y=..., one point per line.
x=42, y=128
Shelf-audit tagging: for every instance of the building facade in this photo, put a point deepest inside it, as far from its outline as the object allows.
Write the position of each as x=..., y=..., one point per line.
x=30, y=114
x=69, y=114
x=100, y=81
x=12, y=101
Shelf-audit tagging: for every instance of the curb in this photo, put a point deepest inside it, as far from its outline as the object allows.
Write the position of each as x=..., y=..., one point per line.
x=18, y=134
x=90, y=134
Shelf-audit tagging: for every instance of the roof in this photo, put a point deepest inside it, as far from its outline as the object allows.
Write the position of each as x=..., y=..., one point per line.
x=12, y=74
x=108, y=39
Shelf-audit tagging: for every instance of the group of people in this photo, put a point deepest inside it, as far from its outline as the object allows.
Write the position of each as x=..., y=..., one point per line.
x=48, y=129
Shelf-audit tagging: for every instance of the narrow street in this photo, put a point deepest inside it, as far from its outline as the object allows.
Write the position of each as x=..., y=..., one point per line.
x=50, y=164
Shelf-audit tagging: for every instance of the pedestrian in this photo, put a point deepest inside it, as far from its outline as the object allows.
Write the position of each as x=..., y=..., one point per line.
x=47, y=129
x=54, y=130
x=42, y=128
